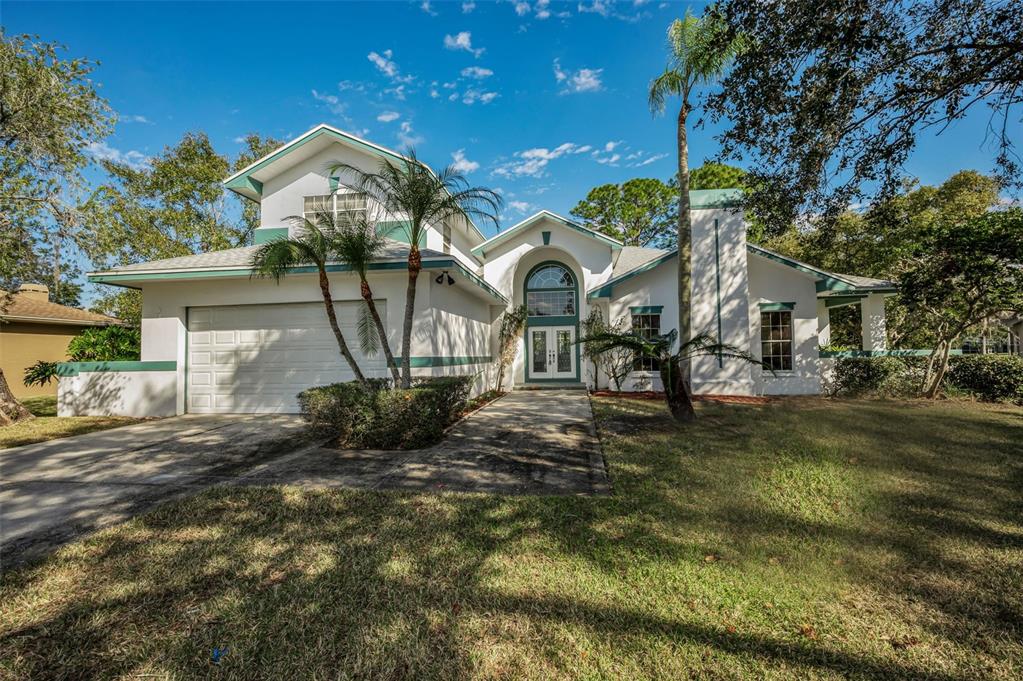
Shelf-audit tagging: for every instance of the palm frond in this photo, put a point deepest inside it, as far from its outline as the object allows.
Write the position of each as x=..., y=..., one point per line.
x=369, y=341
x=704, y=345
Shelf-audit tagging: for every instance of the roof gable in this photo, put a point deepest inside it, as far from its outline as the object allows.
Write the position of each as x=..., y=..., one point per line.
x=507, y=234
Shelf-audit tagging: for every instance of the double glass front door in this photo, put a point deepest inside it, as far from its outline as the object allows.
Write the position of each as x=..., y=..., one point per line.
x=551, y=352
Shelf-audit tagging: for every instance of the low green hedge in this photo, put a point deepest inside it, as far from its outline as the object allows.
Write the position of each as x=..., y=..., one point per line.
x=993, y=378
x=376, y=417
x=878, y=376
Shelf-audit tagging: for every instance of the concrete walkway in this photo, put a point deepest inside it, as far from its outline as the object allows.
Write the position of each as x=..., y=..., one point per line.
x=527, y=442
x=56, y=490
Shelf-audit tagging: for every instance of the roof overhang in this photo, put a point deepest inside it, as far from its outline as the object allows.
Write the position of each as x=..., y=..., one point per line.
x=137, y=278
x=495, y=241
x=56, y=321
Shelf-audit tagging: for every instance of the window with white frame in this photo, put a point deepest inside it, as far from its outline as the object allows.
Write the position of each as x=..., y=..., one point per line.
x=342, y=205
x=646, y=325
x=776, y=339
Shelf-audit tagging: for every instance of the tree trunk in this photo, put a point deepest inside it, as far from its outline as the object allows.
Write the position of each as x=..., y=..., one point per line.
x=328, y=301
x=939, y=375
x=684, y=411
x=11, y=410
x=367, y=295
x=676, y=392
x=415, y=265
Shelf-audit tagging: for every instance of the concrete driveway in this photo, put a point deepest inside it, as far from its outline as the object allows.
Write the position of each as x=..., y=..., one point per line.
x=53, y=491
x=527, y=442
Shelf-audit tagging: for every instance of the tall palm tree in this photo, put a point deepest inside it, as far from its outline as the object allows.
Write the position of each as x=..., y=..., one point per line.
x=409, y=191
x=313, y=244
x=357, y=244
x=699, y=54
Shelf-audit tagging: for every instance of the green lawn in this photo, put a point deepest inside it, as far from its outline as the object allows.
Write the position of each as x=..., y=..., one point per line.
x=801, y=539
x=48, y=426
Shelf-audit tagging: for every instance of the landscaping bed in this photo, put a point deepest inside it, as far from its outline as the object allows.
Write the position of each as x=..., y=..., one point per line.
x=805, y=538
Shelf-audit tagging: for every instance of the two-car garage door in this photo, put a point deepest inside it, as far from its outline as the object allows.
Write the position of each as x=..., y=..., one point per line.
x=257, y=358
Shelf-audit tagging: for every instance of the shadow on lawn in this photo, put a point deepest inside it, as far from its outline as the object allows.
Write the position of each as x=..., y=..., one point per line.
x=394, y=585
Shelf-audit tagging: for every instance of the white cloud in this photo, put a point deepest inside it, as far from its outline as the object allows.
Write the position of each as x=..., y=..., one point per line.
x=521, y=8
x=132, y=118
x=583, y=149
x=542, y=11
x=462, y=164
x=611, y=160
x=520, y=206
x=384, y=63
x=601, y=7
x=648, y=160
x=398, y=92
x=428, y=8
x=334, y=104
x=468, y=7
x=103, y=152
x=583, y=80
x=462, y=41
x=610, y=146
x=388, y=116
x=433, y=93
x=472, y=95
x=407, y=136
x=476, y=72
x=533, y=162
x=239, y=140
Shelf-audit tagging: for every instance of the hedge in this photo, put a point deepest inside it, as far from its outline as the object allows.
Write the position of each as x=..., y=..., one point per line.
x=376, y=417
x=879, y=376
x=994, y=378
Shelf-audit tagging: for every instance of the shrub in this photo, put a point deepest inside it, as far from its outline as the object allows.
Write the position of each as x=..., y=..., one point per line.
x=988, y=377
x=376, y=417
x=878, y=376
x=106, y=344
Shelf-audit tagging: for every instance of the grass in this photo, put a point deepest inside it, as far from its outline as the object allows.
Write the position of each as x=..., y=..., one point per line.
x=48, y=426
x=800, y=539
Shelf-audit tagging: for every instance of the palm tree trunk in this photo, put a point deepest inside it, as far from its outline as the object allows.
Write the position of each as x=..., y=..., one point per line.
x=685, y=266
x=11, y=410
x=415, y=265
x=676, y=392
x=328, y=301
x=367, y=295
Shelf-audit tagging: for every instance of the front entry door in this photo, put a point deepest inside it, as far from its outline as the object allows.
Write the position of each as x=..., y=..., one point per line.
x=552, y=352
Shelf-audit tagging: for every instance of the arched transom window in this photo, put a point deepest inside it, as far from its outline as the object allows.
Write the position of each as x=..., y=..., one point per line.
x=550, y=292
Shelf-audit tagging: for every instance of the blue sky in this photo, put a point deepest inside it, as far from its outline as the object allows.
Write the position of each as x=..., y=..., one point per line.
x=542, y=100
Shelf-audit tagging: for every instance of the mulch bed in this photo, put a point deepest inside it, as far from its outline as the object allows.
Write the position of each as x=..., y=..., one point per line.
x=654, y=395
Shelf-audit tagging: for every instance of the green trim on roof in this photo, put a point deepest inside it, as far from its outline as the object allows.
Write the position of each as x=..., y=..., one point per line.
x=826, y=282
x=714, y=198
x=842, y=301
x=604, y=290
x=646, y=309
x=264, y=235
x=495, y=241
x=777, y=307
x=449, y=264
x=75, y=368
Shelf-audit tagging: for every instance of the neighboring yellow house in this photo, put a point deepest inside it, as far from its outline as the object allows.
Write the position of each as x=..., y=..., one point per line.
x=32, y=329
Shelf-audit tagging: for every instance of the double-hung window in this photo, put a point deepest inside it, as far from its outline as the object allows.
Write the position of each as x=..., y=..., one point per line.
x=646, y=326
x=776, y=339
x=342, y=206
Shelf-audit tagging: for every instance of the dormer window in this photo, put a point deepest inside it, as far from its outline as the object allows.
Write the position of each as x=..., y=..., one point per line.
x=343, y=205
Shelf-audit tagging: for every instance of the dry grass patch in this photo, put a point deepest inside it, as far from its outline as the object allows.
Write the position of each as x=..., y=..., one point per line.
x=48, y=426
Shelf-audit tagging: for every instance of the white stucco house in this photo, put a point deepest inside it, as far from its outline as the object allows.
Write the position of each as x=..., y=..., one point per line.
x=215, y=339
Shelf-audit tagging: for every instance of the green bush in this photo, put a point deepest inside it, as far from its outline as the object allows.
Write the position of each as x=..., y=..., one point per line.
x=106, y=344
x=993, y=378
x=878, y=376
x=376, y=417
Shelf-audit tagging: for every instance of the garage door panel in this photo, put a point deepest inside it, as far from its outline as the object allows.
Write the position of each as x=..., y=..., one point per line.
x=257, y=358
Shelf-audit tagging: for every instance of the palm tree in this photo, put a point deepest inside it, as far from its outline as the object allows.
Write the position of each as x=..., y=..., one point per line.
x=670, y=361
x=313, y=244
x=699, y=54
x=357, y=244
x=409, y=191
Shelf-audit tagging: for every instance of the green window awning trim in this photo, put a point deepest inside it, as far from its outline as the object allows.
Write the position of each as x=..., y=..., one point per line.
x=776, y=307
x=647, y=309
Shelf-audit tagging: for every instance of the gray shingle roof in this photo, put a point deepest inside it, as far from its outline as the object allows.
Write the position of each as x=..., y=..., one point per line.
x=631, y=257
x=242, y=257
